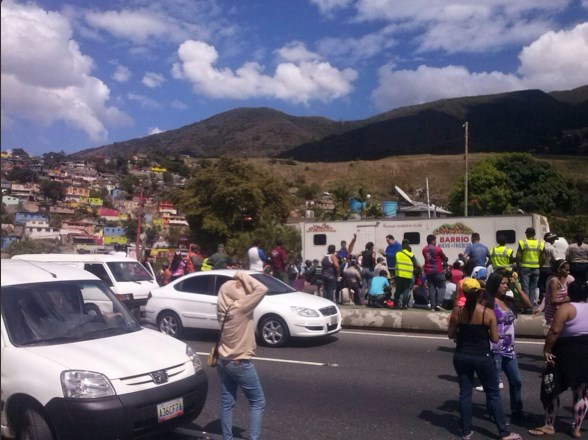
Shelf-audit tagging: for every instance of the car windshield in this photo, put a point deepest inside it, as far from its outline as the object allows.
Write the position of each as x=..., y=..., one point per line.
x=66, y=311
x=129, y=271
x=274, y=286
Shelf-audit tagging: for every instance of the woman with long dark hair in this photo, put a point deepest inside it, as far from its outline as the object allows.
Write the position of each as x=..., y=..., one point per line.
x=473, y=326
x=505, y=357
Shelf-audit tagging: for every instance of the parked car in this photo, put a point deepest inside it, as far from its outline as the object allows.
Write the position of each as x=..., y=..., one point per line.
x=284, y=313
x=76, y=364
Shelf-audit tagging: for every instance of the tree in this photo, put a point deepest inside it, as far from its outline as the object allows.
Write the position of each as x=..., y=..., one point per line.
x=218, y=196
x=509, y=182
x=53, y=190
x=22, y=175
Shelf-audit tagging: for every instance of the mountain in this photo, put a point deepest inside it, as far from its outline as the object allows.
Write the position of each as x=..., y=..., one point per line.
x=243, y=132
x=526, y=121
x=523, y=121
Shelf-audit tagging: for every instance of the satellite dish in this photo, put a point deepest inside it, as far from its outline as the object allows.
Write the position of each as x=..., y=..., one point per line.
x=404, y=195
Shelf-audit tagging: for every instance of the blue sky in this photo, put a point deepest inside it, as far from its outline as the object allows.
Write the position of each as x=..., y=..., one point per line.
x=82, y=74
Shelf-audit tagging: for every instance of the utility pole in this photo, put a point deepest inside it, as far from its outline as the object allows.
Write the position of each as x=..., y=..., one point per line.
x=465, y=210
x=139, y=219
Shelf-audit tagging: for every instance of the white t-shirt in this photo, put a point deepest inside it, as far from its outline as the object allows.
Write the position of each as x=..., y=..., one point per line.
x=561, y=246
x=450, y=289
x=255, y=261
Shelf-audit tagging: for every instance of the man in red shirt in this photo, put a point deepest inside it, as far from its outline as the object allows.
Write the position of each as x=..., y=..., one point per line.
x=279, y=258
x=434, y=258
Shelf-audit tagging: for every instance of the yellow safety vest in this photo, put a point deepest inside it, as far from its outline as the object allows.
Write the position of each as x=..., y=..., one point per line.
x=404, y=264
x=500, y=256
x=205, y=265
x=531, y=250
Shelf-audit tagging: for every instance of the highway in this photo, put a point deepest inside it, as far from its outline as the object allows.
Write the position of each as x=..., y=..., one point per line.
x=367, y=385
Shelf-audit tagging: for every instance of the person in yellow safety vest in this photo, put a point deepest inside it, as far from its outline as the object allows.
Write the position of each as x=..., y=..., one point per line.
x=500, y=255
x=406, y=263
x=529, y=259
x=205, y=265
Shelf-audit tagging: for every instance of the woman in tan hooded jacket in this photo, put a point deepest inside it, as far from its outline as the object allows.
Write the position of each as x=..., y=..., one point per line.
x=237, y=300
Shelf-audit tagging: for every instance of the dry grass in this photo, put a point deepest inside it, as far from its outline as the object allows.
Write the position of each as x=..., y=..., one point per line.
x=408, y=172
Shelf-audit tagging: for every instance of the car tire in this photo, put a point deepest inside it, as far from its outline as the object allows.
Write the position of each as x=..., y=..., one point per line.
x=169, y=323
x=274, y=331
x=92, y=309
x=33, y=426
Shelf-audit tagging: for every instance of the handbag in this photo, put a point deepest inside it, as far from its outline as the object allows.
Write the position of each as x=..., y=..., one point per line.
x=213, y=354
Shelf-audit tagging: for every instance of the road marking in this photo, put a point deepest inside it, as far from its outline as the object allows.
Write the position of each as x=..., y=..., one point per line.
x=413, y=336
x=287, y=361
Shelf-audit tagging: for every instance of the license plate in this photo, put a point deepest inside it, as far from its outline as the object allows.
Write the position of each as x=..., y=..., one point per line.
x=333, y=320
x=169, y=410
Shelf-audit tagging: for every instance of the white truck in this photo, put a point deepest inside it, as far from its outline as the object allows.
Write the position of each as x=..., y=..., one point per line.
x=453, y=233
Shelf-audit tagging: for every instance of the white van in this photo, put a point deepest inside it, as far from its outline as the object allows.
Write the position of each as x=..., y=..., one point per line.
x=77, y=365
x=127, y=278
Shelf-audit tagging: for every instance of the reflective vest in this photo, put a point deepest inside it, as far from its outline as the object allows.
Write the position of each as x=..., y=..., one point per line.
x=205, y=265
x=404, y=264
x=531, y=250
x=500, y=256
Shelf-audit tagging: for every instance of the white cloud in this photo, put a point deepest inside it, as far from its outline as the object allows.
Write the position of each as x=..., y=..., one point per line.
x=351, y=50
x=45, y=76
x=178, y=105
x=154, y=130
x=144, y=101
x=121, y=74
x=555, y=61
x=138, y=26
x=328, y=6
x=152, y=80
x=304, y=77
x=463, y=26
x=398, y=88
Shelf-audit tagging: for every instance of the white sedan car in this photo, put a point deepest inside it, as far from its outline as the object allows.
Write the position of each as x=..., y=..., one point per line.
x=284, y=313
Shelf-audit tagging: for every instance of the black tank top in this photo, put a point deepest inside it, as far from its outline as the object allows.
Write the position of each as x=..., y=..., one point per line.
x=473, y=338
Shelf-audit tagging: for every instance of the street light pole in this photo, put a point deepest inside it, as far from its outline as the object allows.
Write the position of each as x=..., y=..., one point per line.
x=466, y=126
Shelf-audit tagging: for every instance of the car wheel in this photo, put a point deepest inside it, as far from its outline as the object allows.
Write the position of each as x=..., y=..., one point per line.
x=170, y=324
x=92, y=310
x=33, y=426
x=274, y=331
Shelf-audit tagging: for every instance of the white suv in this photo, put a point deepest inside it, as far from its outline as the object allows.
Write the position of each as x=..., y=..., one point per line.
x=76, y=364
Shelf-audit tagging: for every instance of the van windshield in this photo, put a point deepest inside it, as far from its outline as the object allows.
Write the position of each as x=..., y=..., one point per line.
x=65, y=311
x=129, y=271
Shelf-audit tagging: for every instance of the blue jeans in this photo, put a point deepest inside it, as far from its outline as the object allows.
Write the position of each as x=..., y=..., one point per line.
x=329, y=287
x=529, y=280
x=366, y=279
x=515, y=383
x=465, y=366
x=234, y=375
x=436, y=283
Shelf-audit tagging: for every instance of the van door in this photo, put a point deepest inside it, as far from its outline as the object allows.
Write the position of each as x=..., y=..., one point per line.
x=365, y=234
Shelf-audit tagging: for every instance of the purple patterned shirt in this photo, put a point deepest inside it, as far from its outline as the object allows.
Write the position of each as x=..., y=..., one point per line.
x=505, y=345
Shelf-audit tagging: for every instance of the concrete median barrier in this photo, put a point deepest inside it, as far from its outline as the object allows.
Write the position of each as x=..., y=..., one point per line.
x=529, y=326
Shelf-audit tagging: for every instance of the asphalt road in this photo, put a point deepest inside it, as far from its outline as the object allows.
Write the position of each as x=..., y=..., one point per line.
x=367, y=385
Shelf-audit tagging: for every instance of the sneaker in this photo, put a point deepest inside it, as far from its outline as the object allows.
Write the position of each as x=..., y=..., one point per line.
x=481, y=388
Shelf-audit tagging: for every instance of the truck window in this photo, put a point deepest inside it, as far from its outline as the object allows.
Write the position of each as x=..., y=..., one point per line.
x=98, y=270
x=413, y=237
x=319, y=239
x=510, y=234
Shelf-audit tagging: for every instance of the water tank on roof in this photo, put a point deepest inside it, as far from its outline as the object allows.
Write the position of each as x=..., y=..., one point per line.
x=390, y=208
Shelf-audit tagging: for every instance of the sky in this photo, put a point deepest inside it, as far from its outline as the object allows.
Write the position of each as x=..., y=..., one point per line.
x=80, y=74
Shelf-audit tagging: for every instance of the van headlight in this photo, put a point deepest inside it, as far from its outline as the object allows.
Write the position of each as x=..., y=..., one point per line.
x=85, y=385
x=194, y=358
x=305, y=311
